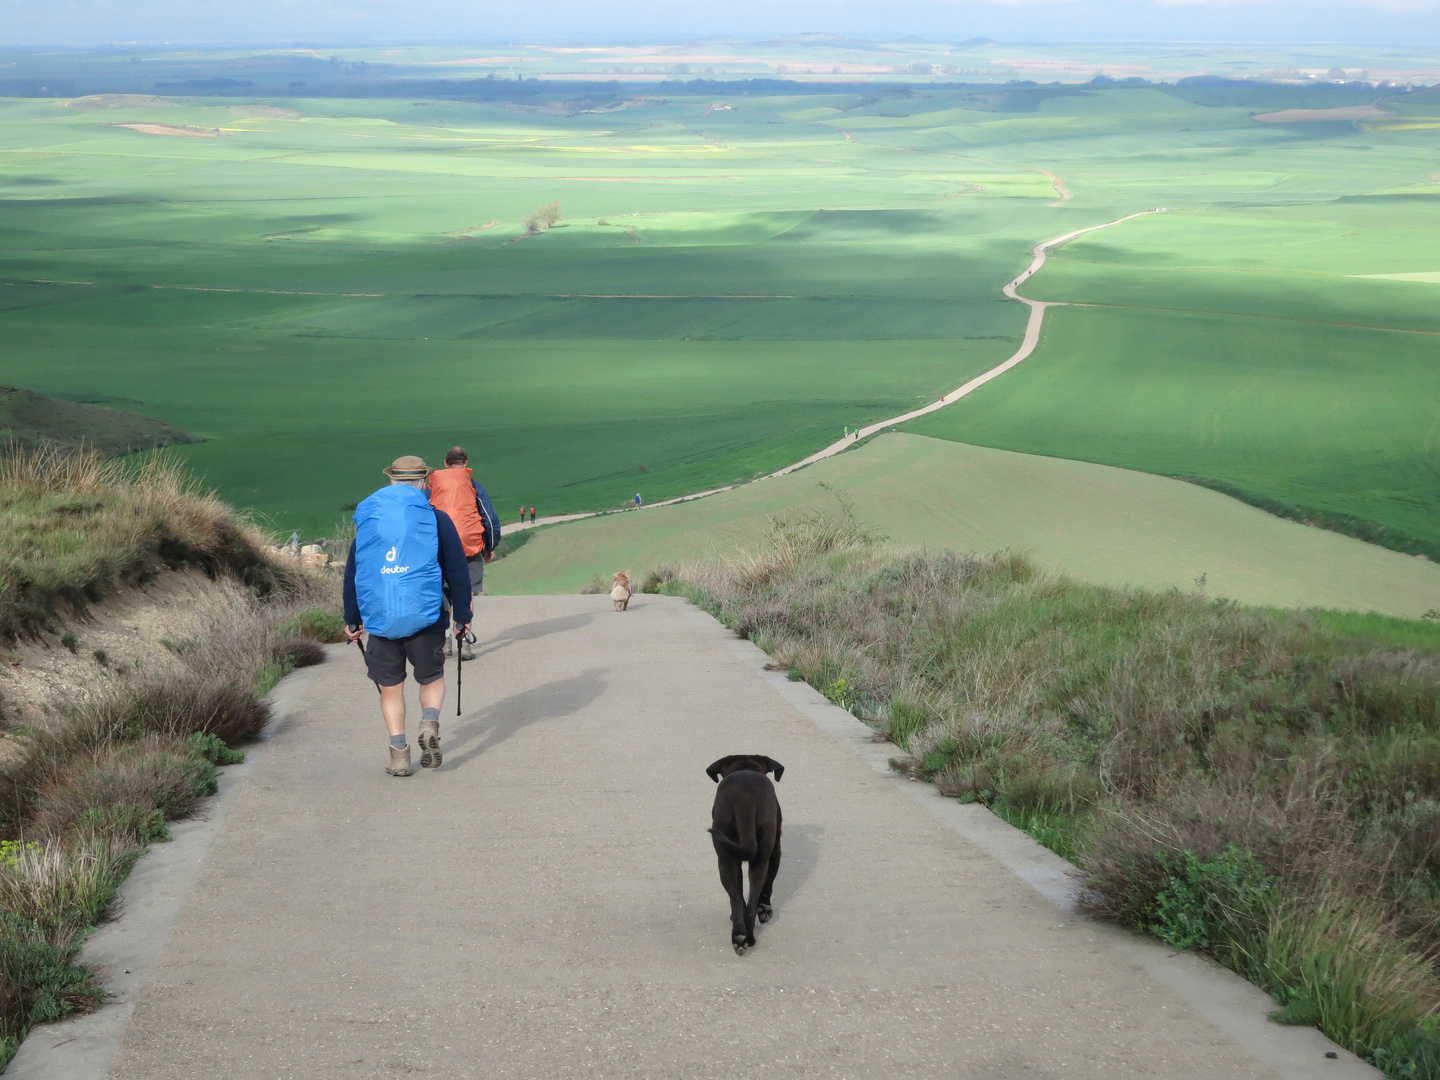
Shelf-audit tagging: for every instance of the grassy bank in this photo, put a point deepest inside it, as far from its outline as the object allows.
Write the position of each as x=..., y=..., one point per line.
x=74, y=527
x=93, y=776
x=1260, y=785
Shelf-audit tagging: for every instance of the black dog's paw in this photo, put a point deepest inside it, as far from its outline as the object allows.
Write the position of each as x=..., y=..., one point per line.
x=740, y=947
x=764, y=913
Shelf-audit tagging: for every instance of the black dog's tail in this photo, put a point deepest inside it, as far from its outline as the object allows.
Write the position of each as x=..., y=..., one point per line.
x=736, y=850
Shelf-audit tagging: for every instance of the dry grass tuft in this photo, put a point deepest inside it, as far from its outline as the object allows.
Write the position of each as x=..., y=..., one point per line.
x=119, y=792
x=57, y=892
x=73, y=527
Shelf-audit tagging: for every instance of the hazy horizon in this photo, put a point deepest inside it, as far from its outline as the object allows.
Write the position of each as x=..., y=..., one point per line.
x=82, y=23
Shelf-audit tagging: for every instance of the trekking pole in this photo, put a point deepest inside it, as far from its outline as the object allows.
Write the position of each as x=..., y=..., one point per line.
x=460, y=643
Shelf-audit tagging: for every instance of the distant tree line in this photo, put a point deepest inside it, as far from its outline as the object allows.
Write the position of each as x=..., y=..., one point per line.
x=322, y=79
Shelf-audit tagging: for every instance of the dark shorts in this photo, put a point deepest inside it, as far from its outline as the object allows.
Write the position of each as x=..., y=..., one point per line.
x=385, y=659
x=477, y=573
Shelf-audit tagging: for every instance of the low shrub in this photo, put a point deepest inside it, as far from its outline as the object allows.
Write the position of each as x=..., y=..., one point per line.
x=1204, y=903
x=316, y=624
x=213, y=749
x=174, y=707
x=298, y=652
x=655, y=580
x=39, y=984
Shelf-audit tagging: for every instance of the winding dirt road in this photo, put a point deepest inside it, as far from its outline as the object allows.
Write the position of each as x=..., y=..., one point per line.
x=1062, y=193
x=1041, y=252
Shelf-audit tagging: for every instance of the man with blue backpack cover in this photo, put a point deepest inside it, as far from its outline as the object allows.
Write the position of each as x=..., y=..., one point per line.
x=405, y=557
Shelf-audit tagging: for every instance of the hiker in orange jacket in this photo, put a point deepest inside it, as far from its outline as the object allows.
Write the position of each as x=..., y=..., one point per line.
x=454, y=490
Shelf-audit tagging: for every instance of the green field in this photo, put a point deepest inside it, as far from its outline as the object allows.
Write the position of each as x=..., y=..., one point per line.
x=1264, y=346
x=1092, y=522
x=750, y=300
x=314, y=290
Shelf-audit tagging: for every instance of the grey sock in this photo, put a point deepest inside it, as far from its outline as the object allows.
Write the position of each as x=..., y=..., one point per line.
x=398, y=742
x=429, y=714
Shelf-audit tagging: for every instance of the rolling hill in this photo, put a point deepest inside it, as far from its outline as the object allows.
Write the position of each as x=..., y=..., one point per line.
x=1092, y=522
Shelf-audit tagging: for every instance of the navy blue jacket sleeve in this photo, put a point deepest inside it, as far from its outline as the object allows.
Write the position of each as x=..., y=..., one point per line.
x=454, y=567
x=487, y=512
x=352, y=605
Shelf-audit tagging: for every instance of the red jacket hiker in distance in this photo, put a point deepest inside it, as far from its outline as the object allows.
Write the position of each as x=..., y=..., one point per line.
x=453, y=491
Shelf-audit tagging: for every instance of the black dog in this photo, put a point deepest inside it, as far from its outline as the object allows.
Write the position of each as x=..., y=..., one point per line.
x=745, y=826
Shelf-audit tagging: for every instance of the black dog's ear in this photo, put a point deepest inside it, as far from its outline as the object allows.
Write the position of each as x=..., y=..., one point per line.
x=773, y=766
x=714, y=770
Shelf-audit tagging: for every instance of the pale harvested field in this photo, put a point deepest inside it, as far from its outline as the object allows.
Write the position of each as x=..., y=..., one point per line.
x=1319, y=116
x=91, y=102
x=1429, y=277
x=171, y=129
x=266, y=112
x=1092, y=522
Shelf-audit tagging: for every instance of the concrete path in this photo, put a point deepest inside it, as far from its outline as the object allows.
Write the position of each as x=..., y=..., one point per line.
x=547, y=906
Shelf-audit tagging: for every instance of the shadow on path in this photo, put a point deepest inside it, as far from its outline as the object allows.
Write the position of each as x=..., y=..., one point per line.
x=531, y=631
x=799, y=854
x=495, y=723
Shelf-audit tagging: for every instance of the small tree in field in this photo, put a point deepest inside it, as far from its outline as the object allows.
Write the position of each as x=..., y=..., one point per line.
x=543, y=218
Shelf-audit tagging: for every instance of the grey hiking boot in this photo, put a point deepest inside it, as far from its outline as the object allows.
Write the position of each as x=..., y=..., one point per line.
x=429, y=739
x=467, y=651
x=449, y=645
x=399, y=762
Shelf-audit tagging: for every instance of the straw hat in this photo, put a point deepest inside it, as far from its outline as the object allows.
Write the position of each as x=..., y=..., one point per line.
x=408, y=467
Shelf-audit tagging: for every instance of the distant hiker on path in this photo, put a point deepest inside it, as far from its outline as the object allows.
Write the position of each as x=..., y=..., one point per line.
x=405, y=556
x=532, y=515
x=637, y=500
x=455, y=490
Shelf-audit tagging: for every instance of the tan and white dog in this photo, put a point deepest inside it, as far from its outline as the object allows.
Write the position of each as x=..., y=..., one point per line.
x=622, y=592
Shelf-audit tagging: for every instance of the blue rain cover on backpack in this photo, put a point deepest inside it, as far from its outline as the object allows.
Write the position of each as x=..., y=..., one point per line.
x=397, y=562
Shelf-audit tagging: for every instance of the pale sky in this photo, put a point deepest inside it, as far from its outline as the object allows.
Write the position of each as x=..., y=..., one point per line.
x=342, y=22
